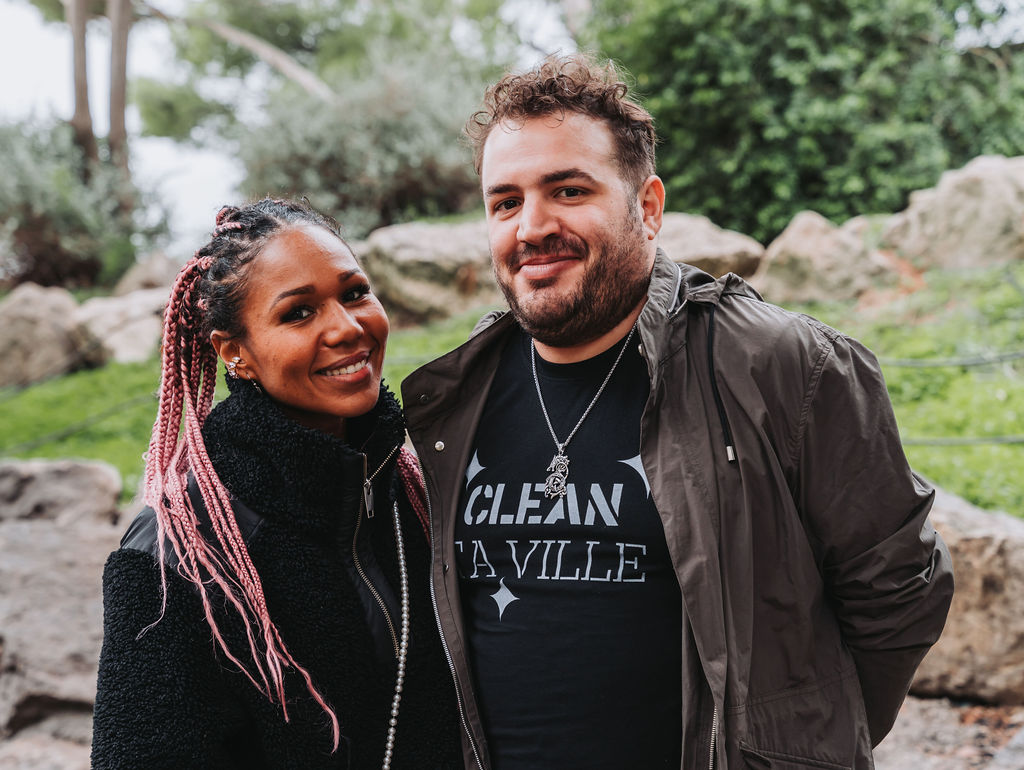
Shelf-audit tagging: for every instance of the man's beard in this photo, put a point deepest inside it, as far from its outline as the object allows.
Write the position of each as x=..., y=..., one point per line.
x=615, y=281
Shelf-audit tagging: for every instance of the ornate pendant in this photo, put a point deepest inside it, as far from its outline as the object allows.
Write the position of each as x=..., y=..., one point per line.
x=555, y=485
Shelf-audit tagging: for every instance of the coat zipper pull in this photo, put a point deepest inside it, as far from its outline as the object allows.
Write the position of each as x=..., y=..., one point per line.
x=367, y=492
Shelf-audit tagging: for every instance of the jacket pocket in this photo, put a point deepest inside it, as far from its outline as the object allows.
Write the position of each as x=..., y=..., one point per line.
x=817, y=725
x=762, y=759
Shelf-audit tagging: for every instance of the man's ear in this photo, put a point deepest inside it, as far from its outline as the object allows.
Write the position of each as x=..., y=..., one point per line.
x=652, y=205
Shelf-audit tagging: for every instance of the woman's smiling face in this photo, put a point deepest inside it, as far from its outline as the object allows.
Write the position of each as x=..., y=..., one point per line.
x=315, y=334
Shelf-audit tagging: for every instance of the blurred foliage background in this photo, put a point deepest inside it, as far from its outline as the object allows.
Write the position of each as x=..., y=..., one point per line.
x=765, y=108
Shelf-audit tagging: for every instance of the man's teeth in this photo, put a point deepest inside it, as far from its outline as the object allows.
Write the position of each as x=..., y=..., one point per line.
x=345, y=369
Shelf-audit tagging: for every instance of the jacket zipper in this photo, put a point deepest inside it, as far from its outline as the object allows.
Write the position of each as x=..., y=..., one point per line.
x=714, y=736
x=440, y=630
x=362, y=574
x=730, y=448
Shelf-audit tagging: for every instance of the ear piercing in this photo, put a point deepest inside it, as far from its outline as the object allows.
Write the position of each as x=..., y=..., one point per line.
x=231, y=365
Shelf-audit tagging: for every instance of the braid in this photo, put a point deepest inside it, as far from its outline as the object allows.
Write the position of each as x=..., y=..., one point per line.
x=208, y=294
x=412, y=481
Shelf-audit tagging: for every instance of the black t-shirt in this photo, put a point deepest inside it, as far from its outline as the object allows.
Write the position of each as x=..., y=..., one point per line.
x=573, y=610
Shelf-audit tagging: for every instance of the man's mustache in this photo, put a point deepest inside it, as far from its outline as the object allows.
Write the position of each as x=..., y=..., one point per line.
x=551, y=246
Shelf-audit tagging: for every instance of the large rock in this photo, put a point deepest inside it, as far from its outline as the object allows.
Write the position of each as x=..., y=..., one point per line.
x=51, y=615
x=39, y=337
x=813, y=259
x=154, y=271
x=128, y=328
x=973, y=216
x=423, y=271
x=58, y=490
x=697, y=241
x=38, y=749
x=980, y=655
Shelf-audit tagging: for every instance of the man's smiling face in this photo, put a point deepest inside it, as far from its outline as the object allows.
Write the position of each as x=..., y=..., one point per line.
x=565, y=229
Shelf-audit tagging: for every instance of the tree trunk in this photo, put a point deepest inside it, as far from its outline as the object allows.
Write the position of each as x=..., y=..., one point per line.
x=120, y=14
x=266, y=52
x=77, y=12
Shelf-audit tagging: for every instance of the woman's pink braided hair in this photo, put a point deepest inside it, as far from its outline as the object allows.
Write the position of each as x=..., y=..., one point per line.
x=208, y=294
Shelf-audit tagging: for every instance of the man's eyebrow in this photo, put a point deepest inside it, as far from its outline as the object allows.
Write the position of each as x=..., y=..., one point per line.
x=569, y=173
x=550, y=178
x=499, y=189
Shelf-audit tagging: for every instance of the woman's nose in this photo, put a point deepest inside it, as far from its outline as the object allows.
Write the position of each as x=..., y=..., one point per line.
x=340, y=325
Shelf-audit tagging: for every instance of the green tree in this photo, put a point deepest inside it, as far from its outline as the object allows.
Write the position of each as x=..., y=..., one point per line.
x=57, y=227
x=360, y=104
x=768, y=107
x=67, y=200
x=386, y=150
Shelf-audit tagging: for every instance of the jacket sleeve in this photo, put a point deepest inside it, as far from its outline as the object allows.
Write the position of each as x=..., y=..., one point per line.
x=160, y=702
x=887, y=572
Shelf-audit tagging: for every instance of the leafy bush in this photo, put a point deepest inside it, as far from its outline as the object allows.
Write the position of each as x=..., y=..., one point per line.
x=770, y=107
x=56, y=229
x=387, y=152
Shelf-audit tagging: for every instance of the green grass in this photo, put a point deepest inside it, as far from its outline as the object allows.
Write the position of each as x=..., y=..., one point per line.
x=409, y=349
x=107, y=413
x=98, y=414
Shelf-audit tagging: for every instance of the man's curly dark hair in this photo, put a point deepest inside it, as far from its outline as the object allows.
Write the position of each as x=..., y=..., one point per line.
x=575, y=83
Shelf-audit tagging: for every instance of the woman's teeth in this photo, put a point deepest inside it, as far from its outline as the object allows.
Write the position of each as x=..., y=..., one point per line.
x=352, y=369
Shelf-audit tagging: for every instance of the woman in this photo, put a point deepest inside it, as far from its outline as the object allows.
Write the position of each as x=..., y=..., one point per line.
x=270, y=607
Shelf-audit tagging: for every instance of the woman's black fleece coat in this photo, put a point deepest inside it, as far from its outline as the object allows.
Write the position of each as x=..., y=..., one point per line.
x=170, y=699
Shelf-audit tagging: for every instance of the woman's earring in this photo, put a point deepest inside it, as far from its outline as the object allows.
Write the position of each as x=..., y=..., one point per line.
x=231, y=365
x=254, y=383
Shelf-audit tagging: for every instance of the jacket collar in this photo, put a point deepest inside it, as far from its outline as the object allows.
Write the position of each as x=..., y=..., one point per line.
x=292, y=473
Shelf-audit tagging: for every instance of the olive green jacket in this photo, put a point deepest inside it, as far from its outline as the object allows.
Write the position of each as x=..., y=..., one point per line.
x=812, y=581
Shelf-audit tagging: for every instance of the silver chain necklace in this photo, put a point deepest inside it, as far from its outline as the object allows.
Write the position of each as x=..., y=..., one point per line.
x=403, y=648
x=556, y=483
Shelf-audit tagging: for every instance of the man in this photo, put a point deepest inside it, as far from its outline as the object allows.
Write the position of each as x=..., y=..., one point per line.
x=672, y=524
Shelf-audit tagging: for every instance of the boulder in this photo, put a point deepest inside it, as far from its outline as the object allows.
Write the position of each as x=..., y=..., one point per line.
x=697, y=241
x=39, y=337
x=813, y=259
x=128, y=328
x=58, y=490
x=37, y=749
x=980, y=655
x=154, y=271
x=51, y=613
x=974, y=216
x=423, y=271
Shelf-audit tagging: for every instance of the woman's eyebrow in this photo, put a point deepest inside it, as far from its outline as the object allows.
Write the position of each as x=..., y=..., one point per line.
x=307, y=289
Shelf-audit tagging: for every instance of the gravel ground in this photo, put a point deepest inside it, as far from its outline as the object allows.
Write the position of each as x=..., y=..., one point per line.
x=929, y=735
x=938, y=734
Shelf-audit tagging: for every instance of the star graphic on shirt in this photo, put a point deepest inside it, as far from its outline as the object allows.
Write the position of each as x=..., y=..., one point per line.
x=474, y=468
x=503, y=597
x=638, y=466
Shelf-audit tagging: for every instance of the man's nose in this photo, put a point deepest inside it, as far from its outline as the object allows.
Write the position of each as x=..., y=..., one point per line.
x=536, y=222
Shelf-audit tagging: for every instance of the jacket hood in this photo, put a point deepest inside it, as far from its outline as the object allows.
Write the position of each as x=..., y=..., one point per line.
x=674, y=284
